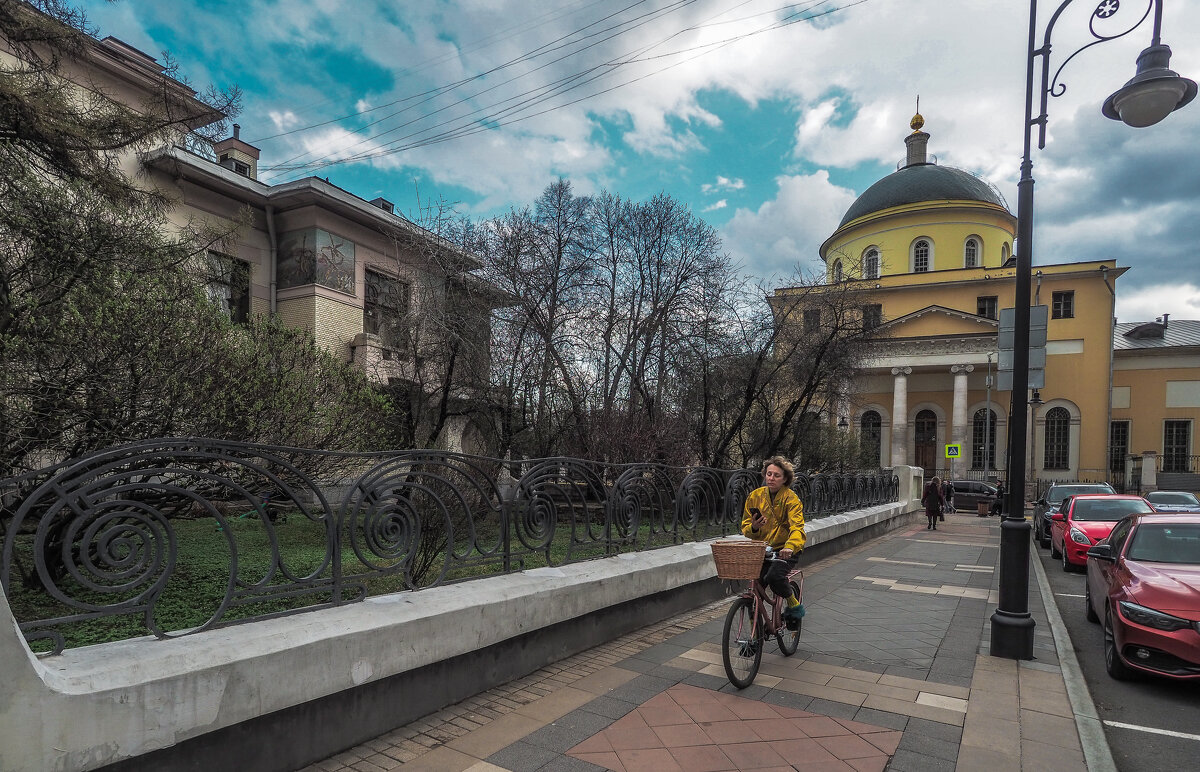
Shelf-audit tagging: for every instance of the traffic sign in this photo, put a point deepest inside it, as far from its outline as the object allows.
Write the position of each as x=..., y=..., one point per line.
x=953, y=450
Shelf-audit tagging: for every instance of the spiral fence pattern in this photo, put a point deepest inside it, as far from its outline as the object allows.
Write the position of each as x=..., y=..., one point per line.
x=235, y=532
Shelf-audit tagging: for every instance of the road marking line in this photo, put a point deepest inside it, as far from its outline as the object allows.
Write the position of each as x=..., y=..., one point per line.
x=976, y=569
x=902, y=562
x=1152, y=730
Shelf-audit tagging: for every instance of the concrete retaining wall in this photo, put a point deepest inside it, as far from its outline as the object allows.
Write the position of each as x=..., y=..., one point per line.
x=283, y=693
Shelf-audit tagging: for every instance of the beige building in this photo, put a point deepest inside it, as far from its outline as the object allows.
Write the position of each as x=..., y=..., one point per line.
x=370, y=285
x=930, y=248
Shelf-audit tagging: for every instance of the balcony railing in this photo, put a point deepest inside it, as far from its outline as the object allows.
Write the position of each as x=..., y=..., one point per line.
x=177, y=536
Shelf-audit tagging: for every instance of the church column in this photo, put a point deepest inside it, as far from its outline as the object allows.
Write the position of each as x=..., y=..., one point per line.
x=900, y=415
x=958, y=431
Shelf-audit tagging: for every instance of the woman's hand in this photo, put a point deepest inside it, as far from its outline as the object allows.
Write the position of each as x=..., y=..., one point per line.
x=785, y=553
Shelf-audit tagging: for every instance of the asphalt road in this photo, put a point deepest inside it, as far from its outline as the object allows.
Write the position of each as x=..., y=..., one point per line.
x=1142, y=719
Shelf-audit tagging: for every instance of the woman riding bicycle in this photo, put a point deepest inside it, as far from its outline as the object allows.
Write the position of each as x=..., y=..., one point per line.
x=774, y=514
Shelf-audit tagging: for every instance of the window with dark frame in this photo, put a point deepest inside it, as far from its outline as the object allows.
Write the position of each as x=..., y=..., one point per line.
x=229, y=286
x=1177, y=443
x=872, y=316
x=981, y=441
x=385, y=312
x=870, y=438
x=1057, y=448
x=812, y=320
x=1118, y=448
x=987, y=305
x=1063, y=305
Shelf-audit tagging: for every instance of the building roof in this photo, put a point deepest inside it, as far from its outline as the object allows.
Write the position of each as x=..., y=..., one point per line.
x=922, y=182
x=1158, y=334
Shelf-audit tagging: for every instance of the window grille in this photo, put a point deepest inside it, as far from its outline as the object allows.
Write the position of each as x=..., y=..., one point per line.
x=1057, y=450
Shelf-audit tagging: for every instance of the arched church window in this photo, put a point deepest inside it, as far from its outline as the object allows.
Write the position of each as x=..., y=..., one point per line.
x=871, y=264
x=870, y=438
x=1057, y=451
x=837, y=271
x=921, y=254
x=971, y=254
x=983, y=439
x=1003, y=254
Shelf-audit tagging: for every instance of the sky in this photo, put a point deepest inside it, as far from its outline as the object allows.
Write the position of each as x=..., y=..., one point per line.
x=766, y=118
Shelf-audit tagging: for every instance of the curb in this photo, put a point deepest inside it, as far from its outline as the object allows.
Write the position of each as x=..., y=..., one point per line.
x=1096, y=752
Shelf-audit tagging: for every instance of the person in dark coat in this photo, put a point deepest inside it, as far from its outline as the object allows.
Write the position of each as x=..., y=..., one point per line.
x=933, y=501
x=998, y=504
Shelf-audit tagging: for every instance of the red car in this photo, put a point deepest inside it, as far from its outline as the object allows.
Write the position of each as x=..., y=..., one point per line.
x=1084, y=520
x=1144, y=582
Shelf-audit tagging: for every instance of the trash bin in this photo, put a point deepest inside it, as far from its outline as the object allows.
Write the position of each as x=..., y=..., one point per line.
x=984, y=508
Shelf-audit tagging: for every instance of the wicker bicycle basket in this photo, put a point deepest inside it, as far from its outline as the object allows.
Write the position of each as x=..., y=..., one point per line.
x=738, y=559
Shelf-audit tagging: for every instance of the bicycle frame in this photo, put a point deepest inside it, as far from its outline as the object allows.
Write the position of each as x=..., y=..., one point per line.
x=758, y=593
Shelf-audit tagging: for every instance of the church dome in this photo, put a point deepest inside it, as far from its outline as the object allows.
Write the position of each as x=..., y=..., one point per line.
x=922, y=182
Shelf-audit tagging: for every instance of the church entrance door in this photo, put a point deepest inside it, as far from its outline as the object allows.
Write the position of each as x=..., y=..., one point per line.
x=925, y=442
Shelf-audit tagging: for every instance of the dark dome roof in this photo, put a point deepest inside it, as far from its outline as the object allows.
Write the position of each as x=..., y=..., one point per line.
x=921, y=182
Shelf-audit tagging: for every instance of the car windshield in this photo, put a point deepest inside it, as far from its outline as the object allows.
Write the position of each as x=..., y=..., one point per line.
x=1165, y=543
x=1060, y=492
x=1107, y=509
x=1171, y=497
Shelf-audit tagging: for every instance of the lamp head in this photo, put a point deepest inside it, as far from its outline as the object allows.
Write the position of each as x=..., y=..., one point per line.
x=1153, y=93
x=1036, y=399
x=843, y=423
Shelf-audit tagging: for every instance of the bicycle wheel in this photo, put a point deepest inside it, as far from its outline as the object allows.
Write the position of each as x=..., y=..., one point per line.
x=789, y=640
x=741, y=644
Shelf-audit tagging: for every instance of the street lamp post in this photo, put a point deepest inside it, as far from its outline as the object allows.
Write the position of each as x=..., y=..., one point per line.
x=1152, y=94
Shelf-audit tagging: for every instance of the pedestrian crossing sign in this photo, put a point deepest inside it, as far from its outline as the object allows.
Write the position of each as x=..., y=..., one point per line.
x=953, y=450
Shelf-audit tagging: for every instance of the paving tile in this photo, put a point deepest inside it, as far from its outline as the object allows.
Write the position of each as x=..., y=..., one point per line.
x=441, y=760
x=753, y=755
x=702, y=758
x=1037, y=755
x=603, y=681
x=991, y=760
x=848, y=746
x=1052, y=730
x=648, y=760
x=498, y=734
x=608, y=760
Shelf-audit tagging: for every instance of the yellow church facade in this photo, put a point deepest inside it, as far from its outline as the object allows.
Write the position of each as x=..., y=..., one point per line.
x=929, y=248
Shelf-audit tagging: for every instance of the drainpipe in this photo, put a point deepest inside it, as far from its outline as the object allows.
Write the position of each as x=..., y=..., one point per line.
x=274, y=252
x=1112, y=331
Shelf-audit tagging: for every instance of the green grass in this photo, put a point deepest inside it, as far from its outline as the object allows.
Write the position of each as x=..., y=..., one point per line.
x=202, y=575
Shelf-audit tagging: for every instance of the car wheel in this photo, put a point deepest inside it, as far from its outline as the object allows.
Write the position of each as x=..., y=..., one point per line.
x=1113, y=663
x=1089, y=612
x=1045, y=537
x=1067, y=567
x=1053, y=552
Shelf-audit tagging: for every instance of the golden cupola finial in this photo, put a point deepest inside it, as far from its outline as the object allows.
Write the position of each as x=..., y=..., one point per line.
x=917, y=121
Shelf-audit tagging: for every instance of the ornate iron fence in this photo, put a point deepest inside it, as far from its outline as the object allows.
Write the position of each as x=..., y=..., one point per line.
x=177, y=536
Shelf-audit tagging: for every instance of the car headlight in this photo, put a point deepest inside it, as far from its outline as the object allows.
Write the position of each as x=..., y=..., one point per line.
x=1079, y=537
x=1151, y=618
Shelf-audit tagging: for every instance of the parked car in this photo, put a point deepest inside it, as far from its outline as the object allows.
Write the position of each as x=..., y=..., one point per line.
x=1143, y=581
x=968, y=494
x=1085, y=519
x=1173, y=501
x=1049, y=503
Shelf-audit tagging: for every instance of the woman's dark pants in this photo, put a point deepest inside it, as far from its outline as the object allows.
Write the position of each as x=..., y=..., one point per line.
x=774, y=575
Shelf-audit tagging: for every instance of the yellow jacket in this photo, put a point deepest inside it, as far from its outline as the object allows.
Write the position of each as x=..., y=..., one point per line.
x=785, y=518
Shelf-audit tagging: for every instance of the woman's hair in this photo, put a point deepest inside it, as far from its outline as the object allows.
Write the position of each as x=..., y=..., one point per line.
x=935, y=479
x=789, y=471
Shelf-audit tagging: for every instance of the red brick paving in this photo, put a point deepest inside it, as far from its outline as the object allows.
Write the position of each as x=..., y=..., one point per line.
x=694, y=729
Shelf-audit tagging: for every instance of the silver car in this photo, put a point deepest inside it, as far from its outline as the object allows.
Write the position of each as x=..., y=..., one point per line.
x=1173, y=501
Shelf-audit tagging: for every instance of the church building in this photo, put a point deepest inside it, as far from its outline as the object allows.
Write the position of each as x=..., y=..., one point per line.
x=929, y=247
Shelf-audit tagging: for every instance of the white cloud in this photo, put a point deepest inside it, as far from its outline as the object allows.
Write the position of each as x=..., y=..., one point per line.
x=714, y=207
x=722, y=184
x=785, y=233
x=1144, y=304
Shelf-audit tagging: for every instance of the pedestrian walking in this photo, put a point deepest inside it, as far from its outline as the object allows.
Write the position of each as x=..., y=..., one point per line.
x=947, y=496
x=931, y=497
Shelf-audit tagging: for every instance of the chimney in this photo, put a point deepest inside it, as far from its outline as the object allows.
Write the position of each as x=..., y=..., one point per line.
x=384, y=204
x=241, y=157
x=1165, y=317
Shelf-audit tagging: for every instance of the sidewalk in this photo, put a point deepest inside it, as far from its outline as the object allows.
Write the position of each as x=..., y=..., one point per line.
x=892, y=673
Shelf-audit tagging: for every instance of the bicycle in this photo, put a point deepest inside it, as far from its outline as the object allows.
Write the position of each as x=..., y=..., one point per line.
x=756, y=615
